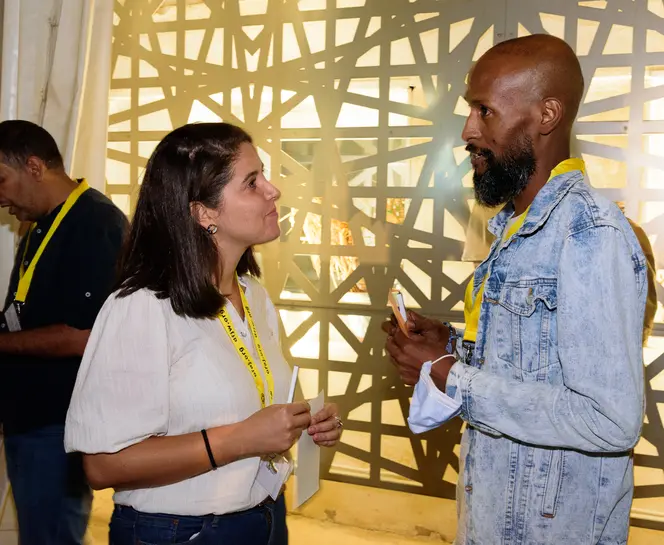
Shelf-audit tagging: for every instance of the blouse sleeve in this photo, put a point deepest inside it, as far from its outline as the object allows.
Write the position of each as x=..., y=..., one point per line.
x=121, y=395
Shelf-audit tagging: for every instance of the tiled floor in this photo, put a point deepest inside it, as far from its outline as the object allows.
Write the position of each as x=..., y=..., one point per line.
x=303, y=531
x=307, y=531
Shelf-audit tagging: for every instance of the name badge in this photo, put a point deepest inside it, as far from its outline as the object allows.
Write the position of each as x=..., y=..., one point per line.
x=12, y=319
x=272, y=474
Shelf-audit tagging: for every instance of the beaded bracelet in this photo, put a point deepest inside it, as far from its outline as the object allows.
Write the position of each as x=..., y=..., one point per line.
x=453, y=337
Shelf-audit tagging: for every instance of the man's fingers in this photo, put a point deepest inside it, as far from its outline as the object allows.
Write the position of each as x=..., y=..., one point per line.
x=388, y=327
x=422, y=325
x=402, y=341
x=393, y=349
x=402, y=354
x=415, y=318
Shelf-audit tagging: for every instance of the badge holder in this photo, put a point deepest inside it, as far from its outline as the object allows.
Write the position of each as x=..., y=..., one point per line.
x=273, y=474
x=273, y=471
x=10, y=319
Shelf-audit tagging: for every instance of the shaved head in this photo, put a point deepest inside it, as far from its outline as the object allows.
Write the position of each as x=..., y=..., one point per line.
x=524, y=96
x=548, y=66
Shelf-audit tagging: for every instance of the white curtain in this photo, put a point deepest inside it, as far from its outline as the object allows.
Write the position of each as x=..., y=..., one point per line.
x=56, y=68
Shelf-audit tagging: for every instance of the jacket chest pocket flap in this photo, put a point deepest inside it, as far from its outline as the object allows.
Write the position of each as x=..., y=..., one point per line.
x=522, y=298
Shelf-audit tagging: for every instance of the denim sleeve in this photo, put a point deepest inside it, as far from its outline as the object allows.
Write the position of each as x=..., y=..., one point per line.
x=599, y=406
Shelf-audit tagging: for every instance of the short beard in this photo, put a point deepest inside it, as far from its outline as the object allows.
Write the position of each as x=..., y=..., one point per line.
x=506, y=176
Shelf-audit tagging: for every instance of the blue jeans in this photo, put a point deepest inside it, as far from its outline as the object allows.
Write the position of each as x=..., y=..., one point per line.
x=262, y=525
x=52, y=497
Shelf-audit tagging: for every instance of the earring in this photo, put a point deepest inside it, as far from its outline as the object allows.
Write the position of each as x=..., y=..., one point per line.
x=211, y=229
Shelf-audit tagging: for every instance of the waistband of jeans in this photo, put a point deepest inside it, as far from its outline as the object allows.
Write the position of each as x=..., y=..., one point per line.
x=129, y=513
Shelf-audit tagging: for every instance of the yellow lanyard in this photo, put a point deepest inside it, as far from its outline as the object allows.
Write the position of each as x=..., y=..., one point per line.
x=472, y=307
x=26, y=275
x=244, y=354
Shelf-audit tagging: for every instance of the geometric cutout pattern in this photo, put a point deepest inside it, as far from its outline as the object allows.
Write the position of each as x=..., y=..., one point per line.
x=357, y=110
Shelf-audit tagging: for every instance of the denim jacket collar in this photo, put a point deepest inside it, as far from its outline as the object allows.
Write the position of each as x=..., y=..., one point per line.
x=540, y=210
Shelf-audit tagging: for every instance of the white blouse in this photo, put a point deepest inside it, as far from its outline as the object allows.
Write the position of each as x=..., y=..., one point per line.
x=147, y=371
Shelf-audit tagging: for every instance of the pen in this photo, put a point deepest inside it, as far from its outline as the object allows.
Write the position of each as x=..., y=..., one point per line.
x=291, y=392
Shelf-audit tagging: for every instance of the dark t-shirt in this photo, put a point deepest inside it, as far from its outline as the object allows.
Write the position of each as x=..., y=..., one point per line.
x=72, y=279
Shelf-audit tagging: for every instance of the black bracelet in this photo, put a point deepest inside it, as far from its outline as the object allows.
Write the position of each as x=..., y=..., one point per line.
x=213, y=462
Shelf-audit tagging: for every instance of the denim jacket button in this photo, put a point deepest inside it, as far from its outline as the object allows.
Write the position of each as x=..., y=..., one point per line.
x=469, y=488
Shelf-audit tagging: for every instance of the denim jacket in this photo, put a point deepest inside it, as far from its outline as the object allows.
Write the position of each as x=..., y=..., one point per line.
x=553, y=396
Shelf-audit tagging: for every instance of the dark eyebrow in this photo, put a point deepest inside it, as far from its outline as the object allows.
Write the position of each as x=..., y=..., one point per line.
x=470, y=100
x=477, y=101
x=252, y=173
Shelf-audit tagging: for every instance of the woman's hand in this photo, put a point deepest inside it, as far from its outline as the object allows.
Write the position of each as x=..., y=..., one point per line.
x=275, y=429
x=326, y=426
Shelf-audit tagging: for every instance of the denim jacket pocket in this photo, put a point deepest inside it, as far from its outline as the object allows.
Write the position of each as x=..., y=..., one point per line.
x=529, y=307
x=554, y=480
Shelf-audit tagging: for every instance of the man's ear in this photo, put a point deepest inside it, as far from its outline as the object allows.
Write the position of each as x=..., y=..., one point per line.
x=203, y=215
x=36, y=167
x=553, y=112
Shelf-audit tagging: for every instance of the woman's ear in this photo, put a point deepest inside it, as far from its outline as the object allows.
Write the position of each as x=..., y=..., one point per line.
x=202, y=215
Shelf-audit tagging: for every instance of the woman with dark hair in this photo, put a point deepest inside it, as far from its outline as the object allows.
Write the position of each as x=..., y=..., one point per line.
x=180, y=403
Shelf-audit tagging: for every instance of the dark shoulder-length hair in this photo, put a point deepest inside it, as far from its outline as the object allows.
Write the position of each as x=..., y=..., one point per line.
x=167, y=250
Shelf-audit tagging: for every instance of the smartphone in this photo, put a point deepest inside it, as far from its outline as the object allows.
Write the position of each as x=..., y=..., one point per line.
x=395, y=299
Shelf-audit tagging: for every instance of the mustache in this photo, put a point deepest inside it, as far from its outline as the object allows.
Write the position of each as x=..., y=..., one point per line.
x=471, y=148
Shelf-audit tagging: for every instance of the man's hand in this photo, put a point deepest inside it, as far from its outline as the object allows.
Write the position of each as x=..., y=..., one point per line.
x=78, y=339
x=54, y=341
x=433, y=330
x=427, y=342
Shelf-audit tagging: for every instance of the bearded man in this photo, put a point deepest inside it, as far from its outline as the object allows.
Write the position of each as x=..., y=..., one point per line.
x=548, y=374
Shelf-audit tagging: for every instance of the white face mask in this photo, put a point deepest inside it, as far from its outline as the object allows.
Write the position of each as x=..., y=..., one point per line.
x=430, y=408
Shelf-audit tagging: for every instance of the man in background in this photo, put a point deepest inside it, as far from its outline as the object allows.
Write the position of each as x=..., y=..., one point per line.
x=63, y=272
